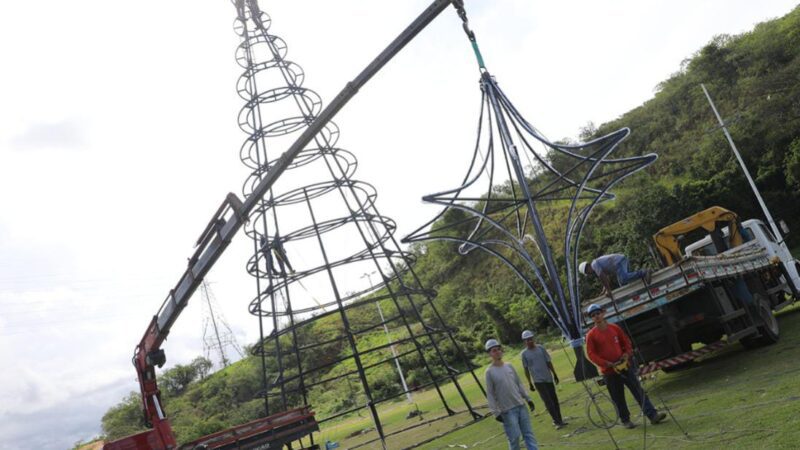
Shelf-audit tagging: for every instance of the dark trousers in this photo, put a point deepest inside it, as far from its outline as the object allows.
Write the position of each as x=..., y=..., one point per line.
x=547, y=391
x=616, y=389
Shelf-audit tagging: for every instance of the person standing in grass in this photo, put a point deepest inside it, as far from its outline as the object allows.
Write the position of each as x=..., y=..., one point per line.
x=610, y=349
x=507, y=397
x=541, y=376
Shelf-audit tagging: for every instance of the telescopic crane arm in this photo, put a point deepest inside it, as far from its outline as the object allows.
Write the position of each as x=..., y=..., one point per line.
x=148, y=354
x=216, y=237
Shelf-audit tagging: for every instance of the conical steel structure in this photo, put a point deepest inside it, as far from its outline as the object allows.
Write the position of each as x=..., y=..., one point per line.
x=315, y=235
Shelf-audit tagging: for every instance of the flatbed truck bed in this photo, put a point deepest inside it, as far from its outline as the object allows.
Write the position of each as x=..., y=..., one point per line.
x=716, y=291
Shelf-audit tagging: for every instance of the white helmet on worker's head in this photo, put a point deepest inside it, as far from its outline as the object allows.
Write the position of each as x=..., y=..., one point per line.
x=582, y=267
x=527, y=334
x=491, y=343
x=593, y=308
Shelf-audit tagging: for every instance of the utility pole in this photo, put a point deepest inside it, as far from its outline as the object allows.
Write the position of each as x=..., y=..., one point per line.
x=771, y=221
x=368, y=276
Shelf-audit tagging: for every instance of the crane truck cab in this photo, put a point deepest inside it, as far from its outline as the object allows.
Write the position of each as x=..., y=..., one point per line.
x=755, y=232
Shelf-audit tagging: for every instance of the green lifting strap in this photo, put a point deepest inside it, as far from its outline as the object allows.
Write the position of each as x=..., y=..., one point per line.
x=478, y=54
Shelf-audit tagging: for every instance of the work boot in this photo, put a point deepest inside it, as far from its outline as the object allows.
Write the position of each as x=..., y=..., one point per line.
x=655, y=420
x=628, y=424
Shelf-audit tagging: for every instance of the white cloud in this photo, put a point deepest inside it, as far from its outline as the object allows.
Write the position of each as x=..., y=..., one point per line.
x=62, y=424
x=66, y=134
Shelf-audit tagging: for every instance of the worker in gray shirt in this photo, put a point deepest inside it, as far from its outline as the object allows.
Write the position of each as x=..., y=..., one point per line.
x=537, y=365
x=507, y=398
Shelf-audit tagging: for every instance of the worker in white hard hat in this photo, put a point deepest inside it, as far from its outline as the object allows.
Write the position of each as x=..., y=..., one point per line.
x=541, y=376
x=613, y=266
x=507, y=397
x=610, y=349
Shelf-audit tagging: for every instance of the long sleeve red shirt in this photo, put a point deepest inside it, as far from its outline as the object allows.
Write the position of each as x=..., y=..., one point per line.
x=604, y=346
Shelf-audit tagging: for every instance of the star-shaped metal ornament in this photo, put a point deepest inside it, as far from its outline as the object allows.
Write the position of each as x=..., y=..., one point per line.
x=499, y=206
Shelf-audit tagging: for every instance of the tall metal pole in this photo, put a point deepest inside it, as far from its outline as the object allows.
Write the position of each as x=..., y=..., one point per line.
x=389, y=338
x=771, y=221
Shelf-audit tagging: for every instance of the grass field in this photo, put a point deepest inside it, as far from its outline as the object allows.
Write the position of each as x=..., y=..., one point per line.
x=735, y=399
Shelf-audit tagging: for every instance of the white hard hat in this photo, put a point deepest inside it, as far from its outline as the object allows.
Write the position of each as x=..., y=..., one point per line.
x=582, y=267
x=491, y=343
x=593, y=307
x=527, y=334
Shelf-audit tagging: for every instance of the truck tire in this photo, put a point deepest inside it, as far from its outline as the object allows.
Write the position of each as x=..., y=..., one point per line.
x=768, y=327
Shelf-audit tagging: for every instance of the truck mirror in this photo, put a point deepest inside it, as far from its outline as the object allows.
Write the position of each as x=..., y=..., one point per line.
x=784, y=227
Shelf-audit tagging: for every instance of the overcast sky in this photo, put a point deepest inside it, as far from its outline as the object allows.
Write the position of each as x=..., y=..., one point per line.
x=118, y=140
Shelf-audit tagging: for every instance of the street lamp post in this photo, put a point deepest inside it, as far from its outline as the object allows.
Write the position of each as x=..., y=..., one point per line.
x=746, y=172
x=368, y=276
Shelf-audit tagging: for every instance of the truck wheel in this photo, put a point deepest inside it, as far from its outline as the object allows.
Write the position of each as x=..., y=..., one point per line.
x=768, y=327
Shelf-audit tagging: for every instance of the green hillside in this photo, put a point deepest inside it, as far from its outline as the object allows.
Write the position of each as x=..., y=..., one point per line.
x=755, y=81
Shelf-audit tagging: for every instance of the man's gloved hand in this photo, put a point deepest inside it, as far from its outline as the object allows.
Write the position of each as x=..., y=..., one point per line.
x=531, y=387
x=531, y=406
x=499, y=418
x=621, y=366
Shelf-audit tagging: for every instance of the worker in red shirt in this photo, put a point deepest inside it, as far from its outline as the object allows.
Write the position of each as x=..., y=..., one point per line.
x=609, y=348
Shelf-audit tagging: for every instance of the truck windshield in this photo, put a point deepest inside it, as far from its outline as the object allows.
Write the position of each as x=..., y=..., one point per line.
x=767, y=232
x=704, y=247
x=706, y=250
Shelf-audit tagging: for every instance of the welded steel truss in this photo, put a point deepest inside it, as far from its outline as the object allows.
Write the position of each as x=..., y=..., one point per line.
x=498, y=206
x=318, y=237
x=502, y=203
x=503, y=217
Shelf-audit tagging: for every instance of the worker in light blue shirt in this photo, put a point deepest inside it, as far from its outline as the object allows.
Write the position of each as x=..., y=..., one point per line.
x=541, y=376
x=611, y=266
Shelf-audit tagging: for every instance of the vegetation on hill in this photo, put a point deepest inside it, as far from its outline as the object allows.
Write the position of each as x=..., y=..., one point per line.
x=754, y=79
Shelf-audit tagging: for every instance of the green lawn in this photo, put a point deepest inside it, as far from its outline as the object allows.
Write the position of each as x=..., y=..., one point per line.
x=736, y=399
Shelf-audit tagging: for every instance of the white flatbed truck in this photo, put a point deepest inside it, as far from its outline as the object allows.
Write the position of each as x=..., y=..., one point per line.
x=717, y=290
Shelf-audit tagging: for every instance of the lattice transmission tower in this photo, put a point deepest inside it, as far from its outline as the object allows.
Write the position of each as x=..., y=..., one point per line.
x=219, y=341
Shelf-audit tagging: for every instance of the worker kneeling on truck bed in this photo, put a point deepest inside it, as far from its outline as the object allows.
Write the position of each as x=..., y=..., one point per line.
x=610, y=349
x=613, y=265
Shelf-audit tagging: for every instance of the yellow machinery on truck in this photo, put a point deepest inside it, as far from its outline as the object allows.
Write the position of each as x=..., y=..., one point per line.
x=726, y=294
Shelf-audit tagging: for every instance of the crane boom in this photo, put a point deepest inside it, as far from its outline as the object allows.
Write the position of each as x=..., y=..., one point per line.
x=215, y=238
